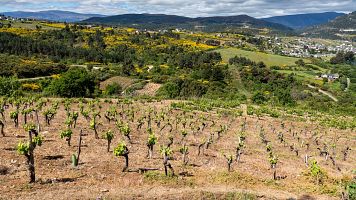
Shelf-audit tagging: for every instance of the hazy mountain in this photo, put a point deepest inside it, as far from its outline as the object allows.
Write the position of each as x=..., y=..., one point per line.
x=167, y=21
x=301, y=21
x=53, y=15
x=341, y=27
x=343, y=22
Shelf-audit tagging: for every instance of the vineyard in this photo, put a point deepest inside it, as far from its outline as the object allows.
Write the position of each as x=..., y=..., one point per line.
x=126, y=149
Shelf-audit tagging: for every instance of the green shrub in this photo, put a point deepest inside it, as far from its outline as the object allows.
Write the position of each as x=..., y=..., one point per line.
x=351, y=190
x=113, y=89
x=169, y=90
x=76, y=82
x=9, y=86
x=259, y=98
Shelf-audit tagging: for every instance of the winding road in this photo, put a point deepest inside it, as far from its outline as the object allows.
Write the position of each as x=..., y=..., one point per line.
x=325, y=93
x=348, y=84
x=34, y=79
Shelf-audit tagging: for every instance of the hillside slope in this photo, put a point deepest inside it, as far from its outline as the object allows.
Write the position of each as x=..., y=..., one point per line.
x=52, y=15
x=171, y=21
x=301, y=21
x=204, y=176
x=343, y=26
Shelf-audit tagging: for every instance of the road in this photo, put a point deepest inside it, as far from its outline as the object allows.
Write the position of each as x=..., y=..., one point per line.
x=34, y=79
x=325, y=93
x=348, y=84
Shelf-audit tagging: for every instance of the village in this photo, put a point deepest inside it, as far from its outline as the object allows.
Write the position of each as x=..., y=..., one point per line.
x=310, y=47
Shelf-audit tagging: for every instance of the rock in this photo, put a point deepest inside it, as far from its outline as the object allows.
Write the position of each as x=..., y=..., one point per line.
x=104, y=190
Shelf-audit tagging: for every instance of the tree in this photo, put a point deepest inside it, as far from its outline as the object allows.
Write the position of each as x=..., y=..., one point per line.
x=273, y=160
x=26, y=112
x=152, y=140
x=49, y=115
x=300, y=62
x=166, y=153
x=67, y=134
x=109, y=136
x=9, y=86
x=316, y=172
x=184, y=134
x=259, y=98
x=341, y=57
x=76, y=82
x=2, y=128
x=240, y=146
x=169, y=90
x=229, y=160
x=94, y=124
x=14, y=115
x=113, y=89
x=75, y=158
x=126, y=131
x=184, y=151
x=27, y=149
x=122, y=150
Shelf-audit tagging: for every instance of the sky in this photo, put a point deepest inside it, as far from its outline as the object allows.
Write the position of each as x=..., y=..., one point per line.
x=190, y=8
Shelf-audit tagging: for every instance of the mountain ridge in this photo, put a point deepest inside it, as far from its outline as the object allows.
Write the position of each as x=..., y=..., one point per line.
x=339, y=27
x=301, y=21
x=162, y=20
x=52, y=15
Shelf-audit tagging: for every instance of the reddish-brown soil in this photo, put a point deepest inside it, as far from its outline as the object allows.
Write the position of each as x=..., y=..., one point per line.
x=150, y=89
x=124, y=82
x=99, y=173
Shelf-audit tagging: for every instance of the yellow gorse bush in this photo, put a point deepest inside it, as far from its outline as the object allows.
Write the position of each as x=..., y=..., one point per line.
x=19, y=31
x=31, y=87
x=55, y=76
x=54, y=25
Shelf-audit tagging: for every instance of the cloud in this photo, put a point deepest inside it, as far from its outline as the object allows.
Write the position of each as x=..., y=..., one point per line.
x=255, y=8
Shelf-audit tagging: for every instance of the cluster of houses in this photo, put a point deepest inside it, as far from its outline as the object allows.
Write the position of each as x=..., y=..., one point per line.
x=308, y=47
x=330, y=77
x=8, y=18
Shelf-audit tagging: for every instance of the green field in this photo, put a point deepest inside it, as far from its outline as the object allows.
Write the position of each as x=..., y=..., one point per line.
x=28, y=25
x=303, y=76
x=307, y=75
x=268, y=59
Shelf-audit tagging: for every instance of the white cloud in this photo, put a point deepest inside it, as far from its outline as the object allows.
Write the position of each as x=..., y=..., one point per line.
x=255, y=8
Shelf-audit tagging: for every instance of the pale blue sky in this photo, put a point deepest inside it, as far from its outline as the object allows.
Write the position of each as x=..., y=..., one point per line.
x=255, y=8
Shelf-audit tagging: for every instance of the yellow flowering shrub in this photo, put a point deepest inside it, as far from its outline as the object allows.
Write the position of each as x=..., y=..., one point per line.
x=138, y=70
x=19, y=31
x=31, y=87
x=54, y=25
x=55, y=76
x=29, y=62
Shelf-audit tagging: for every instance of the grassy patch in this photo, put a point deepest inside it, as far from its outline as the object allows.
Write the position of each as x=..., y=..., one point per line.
x=234, y=178
x=268, y=59
x=160, y=178
x=242, y=196
x=227, y=196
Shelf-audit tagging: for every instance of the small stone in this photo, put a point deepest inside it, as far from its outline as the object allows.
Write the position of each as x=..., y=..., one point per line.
x=104, y=190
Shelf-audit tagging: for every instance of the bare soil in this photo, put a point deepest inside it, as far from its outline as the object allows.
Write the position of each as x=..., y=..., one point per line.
x=124, y=82
x=150, y=89
x=99, y=174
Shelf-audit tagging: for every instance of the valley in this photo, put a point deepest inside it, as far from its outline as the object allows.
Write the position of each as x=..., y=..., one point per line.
x=164, y=106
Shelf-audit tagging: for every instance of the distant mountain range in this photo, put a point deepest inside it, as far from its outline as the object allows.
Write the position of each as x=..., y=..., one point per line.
x=313, y=23
x=52, y=15
x=343, y=26
x=301, y=21
x=174, y=21
x=343, y=22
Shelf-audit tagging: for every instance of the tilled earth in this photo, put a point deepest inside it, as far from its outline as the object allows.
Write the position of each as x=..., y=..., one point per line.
x=99, y=174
